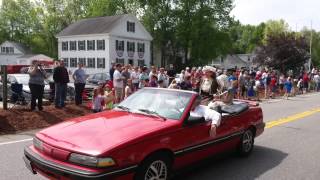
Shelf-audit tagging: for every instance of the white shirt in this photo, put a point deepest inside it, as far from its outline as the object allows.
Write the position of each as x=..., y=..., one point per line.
x=207, y=113
x=135, y=77
x=316, y=78
x=223, y=81
x=116, y=76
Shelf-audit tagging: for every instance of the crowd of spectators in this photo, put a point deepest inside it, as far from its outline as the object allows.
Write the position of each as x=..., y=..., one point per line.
x=210, y=82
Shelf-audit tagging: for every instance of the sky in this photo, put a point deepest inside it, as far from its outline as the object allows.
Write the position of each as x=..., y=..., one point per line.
x=298, y=13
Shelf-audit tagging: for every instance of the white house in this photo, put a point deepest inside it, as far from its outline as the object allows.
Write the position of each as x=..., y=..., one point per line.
x=12, y=53
x=98, y=42
x=235, y=60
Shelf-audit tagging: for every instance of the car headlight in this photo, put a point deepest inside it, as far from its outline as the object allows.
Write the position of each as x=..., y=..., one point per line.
x=91, y=161
x=37, y=143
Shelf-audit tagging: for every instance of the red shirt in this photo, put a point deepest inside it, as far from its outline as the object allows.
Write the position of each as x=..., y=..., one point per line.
x=273, y=81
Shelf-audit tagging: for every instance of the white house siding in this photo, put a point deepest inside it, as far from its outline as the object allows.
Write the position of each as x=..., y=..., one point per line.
x=119, y=32
x=113, y=54
x=86, y=53
x=10, y=59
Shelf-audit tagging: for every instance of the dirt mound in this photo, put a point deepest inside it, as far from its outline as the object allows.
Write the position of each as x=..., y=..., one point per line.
x=21, y=119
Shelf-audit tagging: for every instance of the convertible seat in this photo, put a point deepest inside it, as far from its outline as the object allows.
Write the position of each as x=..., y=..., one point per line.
x=236, y=108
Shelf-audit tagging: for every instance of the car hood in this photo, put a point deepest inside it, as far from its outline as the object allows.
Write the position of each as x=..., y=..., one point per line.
x=99, y=133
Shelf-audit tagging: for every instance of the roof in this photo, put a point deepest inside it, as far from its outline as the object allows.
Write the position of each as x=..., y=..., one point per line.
x=21, y=47
x=97, y=25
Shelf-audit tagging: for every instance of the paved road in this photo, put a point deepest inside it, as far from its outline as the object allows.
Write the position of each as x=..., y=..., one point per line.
x=289, y=151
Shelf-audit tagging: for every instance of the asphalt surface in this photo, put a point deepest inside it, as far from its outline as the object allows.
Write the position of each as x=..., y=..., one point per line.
x=289, y=151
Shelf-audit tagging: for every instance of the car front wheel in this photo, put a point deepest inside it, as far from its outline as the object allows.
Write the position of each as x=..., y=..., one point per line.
x=247, y=143
x=154, y=168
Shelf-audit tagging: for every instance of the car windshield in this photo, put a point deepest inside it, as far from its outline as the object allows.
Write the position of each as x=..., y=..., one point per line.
x=164, y=103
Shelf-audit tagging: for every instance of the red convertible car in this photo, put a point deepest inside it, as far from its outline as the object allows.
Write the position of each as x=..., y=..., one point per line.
x=145, y=137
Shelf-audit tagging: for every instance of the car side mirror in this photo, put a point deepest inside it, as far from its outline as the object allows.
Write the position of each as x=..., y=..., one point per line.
x=194, y=120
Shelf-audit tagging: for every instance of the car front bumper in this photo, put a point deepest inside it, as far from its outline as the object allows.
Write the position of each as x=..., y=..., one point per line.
x=37, y=164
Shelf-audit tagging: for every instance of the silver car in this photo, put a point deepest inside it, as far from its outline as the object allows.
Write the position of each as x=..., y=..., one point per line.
x=24, y=80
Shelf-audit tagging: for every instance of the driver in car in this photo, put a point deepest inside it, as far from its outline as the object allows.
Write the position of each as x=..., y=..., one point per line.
x=198, y=110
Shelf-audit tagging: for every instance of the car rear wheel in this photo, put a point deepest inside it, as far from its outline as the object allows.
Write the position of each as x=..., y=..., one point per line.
x=156, y=167
x=247, y=143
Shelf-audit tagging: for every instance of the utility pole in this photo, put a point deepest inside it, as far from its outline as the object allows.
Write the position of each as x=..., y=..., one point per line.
x=4, y=86
x=310, y=60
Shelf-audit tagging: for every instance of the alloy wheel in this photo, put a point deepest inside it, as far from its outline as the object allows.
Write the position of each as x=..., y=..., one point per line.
x=157, y=170
x=247, y=141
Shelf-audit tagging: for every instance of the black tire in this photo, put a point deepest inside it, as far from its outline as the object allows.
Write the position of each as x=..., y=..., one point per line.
x=247, y=143
x=157, y=159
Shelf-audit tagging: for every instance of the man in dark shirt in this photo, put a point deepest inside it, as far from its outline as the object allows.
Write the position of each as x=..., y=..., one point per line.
x=111, y=71
x=171, y=73
x=61, y=78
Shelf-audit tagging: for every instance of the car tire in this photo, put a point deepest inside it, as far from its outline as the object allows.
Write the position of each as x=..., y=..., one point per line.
x=247, y=143
x=154, y=167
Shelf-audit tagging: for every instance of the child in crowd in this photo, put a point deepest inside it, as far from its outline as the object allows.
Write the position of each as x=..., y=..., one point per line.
x=109, y=97
x=288, y=88
x=128, y=89
x=161, y=84
x=173, y=85
x=153, y=82
x=97, y=101
x=300, y=86
x=146, y=83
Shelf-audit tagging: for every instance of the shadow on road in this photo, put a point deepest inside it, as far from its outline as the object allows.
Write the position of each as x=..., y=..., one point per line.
x=228, y=166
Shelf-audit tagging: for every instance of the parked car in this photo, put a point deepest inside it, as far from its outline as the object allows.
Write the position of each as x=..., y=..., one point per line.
x=98, y=78
x=87, y=93
x=24, y=80
x=145, y=137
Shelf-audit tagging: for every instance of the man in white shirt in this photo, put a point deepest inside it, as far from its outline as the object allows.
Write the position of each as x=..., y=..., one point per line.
x=118, y=83
x=198, y=110
x=223, y=80
x=135, y=78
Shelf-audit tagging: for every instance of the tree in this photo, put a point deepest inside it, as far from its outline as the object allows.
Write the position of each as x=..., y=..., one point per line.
x=283, y=52
x=246, y=38
x=306, y=33
x=275, y=28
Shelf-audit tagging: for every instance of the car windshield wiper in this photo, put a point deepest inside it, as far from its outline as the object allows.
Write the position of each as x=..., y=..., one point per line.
x=123, y=108
x=153, y=113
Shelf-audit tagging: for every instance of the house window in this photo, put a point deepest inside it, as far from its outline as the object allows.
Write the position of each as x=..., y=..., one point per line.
x=120, y=61
x=73, y=45
x=11, y=49
x=101, y=63
x=141, y=62
x=130, y=26
x=130, y=61
x=7, y=50
x=91, y=63
x=91, y=45
x=66, y=62
x=130, y=46
x=3, y=49
x=119, y=45
x=82, y=45
x=141, y=47
x=82, y=61
x=73, y=62
x=65, y=46
x=100, y=45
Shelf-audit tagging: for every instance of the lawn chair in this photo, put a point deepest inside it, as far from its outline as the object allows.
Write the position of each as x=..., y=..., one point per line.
x=17, y=97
